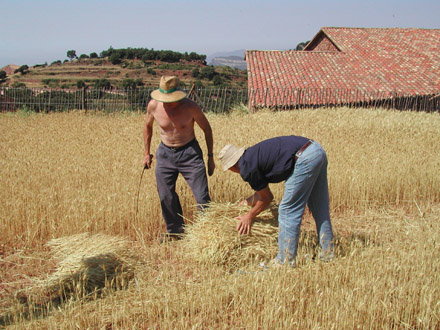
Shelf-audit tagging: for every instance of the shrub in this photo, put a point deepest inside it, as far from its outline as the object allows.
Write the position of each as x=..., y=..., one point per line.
x=22, y=69
x=195, y=73
x=80, y=84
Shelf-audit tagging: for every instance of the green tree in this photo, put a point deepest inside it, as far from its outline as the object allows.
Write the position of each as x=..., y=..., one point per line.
x=169, y=56
x=93, y=55
x=71, y=54
x=195, y=72
x=102, y=84
x=116, y=58
x=151, y=71
x=23, y=69
x=208, y=72
x=217, y=80
x=107, y=53
x=17, y=84
x=198, y=84
x=2, y=75
x=128, y=84
x=302, y=45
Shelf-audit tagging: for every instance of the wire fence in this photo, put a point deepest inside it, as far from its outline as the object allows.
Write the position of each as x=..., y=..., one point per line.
x=217, y=100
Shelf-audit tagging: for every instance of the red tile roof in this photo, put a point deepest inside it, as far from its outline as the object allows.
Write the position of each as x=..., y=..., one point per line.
x=362, y=60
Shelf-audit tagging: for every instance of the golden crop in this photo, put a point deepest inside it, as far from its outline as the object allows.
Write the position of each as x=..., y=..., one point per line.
x=65, y=174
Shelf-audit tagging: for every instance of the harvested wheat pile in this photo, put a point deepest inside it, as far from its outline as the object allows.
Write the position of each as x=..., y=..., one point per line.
x=89, y=262
x=212, y=237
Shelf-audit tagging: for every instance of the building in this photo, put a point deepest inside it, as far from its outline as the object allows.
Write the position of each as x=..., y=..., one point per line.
x=394, y=67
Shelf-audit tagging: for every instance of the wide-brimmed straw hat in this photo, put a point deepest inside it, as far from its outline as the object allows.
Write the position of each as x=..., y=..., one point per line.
x=229, y=156
x=168, y=90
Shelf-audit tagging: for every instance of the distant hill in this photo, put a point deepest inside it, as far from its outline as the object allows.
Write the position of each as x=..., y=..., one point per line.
x=231, y=61
x=238, y=52
x=9, y=69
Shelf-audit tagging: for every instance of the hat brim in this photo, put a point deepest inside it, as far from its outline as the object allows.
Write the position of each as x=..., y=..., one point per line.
x=233, y=159
x=168, y=98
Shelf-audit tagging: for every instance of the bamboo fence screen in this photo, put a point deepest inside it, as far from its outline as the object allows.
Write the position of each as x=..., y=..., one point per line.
x=217, y=100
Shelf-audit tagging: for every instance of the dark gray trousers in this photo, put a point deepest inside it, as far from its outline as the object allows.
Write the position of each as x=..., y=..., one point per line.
x=188, y=161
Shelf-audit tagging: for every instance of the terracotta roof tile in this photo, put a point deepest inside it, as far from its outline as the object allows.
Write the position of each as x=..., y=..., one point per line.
x=405, y=61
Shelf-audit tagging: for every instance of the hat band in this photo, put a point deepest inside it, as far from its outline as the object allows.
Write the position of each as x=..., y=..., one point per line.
x=167, y=91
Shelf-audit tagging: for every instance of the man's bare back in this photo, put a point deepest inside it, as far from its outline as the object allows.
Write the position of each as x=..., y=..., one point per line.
x=175, y=120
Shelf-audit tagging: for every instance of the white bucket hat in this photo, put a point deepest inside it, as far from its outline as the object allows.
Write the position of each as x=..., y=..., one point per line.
x=168, y=90
x=229, y=156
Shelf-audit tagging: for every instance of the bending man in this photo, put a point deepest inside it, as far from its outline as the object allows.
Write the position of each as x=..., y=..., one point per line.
x=302, y=164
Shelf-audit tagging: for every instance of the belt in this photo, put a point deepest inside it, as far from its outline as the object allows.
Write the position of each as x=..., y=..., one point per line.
x=304, y=147
x=175, y=149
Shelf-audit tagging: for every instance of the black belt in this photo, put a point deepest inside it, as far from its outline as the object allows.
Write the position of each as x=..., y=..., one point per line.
x=304, y=147
x=175, y=149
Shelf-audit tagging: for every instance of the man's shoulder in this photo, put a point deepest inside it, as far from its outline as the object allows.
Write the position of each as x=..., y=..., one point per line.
x=189, y=106
x=152, y=103
x=186, y=102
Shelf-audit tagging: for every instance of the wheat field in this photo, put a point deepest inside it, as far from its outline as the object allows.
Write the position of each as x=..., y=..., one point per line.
x=65, y=174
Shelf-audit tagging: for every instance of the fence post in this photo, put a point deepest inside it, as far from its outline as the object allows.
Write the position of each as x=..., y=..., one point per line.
x=83, y=101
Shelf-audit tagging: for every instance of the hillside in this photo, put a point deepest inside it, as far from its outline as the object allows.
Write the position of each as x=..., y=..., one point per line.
x=9, y=69
x=88, y=72
x=233, y=59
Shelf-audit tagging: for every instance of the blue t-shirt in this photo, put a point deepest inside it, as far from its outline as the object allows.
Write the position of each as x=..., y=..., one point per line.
x=270, y=161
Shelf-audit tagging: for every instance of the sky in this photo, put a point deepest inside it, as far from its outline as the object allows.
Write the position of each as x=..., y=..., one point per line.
x=42, y=31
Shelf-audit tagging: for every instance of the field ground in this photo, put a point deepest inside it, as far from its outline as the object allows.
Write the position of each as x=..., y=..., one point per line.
x=68, y=173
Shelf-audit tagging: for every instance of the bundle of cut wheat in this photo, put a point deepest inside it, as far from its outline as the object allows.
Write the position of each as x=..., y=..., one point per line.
x=89, y=262
x=212, y=237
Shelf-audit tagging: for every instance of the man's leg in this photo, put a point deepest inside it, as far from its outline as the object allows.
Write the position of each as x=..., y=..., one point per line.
x=297, y=190
x=192, y=168
x=166, y=176
x=319, y=206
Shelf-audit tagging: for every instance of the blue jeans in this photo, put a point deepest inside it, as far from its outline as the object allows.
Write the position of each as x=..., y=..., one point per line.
x=306, y=185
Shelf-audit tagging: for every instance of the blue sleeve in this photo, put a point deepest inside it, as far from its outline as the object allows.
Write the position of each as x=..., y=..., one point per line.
x=256, y=179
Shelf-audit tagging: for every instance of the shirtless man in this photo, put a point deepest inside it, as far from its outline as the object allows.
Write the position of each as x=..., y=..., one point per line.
x=179, y=151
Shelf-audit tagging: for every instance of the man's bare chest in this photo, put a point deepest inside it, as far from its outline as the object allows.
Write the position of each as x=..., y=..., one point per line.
x=174, y=120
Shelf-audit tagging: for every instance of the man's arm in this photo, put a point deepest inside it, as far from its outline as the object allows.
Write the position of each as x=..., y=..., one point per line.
x=203, y=123
x=250, y=201
x=148, y=134
x=265, y=196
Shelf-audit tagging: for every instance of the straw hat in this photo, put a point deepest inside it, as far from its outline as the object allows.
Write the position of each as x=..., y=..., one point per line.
x=229, y=156
x=168, y=90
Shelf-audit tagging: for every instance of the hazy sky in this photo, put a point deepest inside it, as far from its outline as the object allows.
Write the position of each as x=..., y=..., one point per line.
x=38, y=31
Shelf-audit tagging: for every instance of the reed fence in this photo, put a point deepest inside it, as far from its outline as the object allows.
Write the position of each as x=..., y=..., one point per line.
x=217, y=100
x=298, y=98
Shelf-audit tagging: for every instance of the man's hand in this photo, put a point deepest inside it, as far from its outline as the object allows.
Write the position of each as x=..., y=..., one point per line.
x=260, y=200
x=211, y=166
x=148, y=159
x=245, y=223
